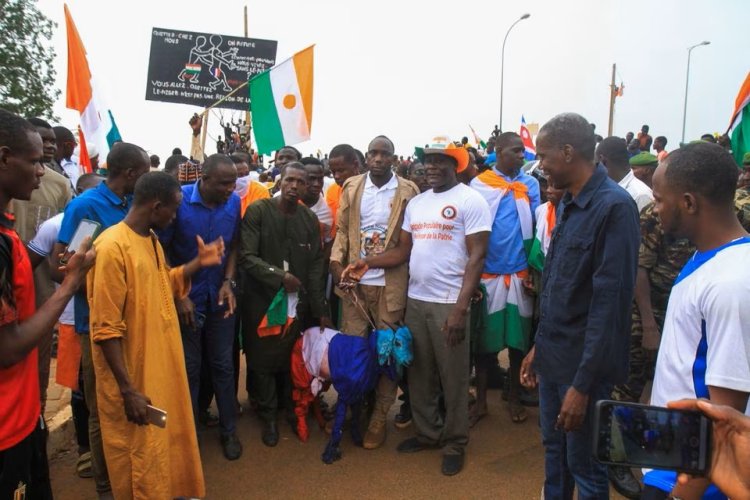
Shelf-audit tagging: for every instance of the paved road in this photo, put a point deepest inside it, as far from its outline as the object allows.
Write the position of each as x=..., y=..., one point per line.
x=504, y=460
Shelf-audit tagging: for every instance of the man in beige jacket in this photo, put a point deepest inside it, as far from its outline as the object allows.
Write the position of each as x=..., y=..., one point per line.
x=369, y=219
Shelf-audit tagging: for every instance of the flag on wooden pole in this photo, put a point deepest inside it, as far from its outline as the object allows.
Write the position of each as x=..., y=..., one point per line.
x=97, y=124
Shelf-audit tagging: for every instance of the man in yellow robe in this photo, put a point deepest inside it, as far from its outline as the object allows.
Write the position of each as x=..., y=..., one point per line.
x=137, y=349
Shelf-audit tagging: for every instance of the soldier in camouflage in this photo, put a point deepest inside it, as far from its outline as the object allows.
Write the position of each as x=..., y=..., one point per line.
x=660, y=260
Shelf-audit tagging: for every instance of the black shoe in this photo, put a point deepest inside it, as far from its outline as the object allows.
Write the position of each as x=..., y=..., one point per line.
x=270, y=436
x=208, y=419
x=624, y=481
x=403, y=419
x=412, y=445
x=231, y=446
x=452, y=464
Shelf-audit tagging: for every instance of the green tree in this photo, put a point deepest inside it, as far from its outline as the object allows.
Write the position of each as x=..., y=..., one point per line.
x=27, y=76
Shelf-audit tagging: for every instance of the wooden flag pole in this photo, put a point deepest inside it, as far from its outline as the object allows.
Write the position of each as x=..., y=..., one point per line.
x=612, y=97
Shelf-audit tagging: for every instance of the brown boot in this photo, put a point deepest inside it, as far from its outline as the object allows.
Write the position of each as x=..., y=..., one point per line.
x=375, y=435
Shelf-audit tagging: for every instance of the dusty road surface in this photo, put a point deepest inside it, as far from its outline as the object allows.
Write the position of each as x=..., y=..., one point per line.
x=504, y=460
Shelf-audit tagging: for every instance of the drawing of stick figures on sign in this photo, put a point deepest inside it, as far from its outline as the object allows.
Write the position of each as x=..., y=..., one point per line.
x=192, y=68
x=217, y=59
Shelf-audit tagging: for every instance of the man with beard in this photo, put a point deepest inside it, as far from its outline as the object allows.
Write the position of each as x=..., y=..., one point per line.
x=282, y=260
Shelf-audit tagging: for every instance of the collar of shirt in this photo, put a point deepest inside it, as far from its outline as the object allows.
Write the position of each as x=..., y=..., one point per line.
x=518, y=176
x=195, y=197
x=584, y=197
x=391, y=184
x=625, y=181
x=110, y=195
x=7, y=220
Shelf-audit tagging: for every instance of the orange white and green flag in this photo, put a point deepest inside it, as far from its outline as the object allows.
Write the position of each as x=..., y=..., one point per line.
x=282, y=103
x=740, y=122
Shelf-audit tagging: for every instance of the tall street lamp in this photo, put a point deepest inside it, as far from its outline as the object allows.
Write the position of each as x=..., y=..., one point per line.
x=687, y=82
x=502, y=63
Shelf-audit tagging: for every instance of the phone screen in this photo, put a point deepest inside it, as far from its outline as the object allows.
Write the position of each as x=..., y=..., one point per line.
x=86, y=228
x=648, y=436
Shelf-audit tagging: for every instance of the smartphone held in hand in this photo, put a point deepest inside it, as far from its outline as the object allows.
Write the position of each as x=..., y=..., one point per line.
x=86, y=229
x=156, y=416
x=636, y=435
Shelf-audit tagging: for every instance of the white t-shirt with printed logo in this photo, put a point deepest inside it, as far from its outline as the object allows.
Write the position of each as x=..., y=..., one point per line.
x=706, y=338
x=439, y=224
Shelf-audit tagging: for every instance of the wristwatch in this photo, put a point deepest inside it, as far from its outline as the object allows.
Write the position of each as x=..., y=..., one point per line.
x=232, y=283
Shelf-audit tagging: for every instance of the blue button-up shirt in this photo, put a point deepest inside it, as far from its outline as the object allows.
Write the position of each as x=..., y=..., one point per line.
x=102, y=205
x=505, y=251
x=588, y=284
x=193, y=218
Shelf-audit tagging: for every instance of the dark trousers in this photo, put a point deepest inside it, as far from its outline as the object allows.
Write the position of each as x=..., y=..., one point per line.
x=438, y=370
x=568, y=460
x=271, y=391
x=80, y=415
x=26, y=464
x=217, y=334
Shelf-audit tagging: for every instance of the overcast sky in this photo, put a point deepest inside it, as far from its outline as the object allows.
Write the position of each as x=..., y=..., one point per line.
x=416, y=69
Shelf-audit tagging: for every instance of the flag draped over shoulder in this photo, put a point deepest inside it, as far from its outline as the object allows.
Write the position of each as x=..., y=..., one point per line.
x=740, y=122
x=282, y=103
x=546, y=217
x=97, y=123
x=529, y=148
x=280, y=314
x=493, y=187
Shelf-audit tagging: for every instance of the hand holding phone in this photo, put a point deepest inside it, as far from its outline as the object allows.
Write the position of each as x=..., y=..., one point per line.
x=636, y=435
x=156, y=416
x=86, y=229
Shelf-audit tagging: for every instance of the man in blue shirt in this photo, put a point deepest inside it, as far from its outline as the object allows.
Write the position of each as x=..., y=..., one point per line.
x=210, y=208
x=583, y=338
x=106, y=204
x=513, y=197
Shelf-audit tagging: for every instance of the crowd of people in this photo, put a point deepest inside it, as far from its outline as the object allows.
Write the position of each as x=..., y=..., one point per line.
x=601, y=267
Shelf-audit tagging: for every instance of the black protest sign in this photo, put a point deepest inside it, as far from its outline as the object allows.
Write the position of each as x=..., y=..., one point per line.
x=201, y=68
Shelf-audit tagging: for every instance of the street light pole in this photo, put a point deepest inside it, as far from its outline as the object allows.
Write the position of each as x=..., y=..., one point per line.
x=502, y=66
x=687, y=82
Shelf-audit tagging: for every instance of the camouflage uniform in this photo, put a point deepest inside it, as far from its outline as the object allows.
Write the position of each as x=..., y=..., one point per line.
x=662, y=257
x=742, y=205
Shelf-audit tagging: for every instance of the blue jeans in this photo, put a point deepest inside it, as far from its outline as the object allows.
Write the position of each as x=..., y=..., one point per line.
x=217, y=334
x=568, y=459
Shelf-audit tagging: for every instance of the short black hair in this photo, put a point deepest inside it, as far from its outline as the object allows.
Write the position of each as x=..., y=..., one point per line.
x=155, y=186
x=572, y=129
x=615, y=149
x=241, y=156
x=384, y=138
x=661, y=139
x=212, y=162
x=345, y=151
x=310, y=160
x=705, y=169
x=294, y=165
x=176, y=151
x=360, y=158
x=39, y=123
x=154, y=157
x=86, y=178
x=645, y=129
x=296, y=152
x=14, y=131
x=505, y=138
x=174, y=162
x=63, y=134
x=124, y=156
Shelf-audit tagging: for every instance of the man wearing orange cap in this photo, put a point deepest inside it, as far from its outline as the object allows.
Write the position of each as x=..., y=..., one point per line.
x=513, y=196
x=369, y=219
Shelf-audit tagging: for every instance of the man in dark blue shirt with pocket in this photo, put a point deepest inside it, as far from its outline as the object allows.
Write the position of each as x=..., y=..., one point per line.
x=210, y=209
x=583, y=336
